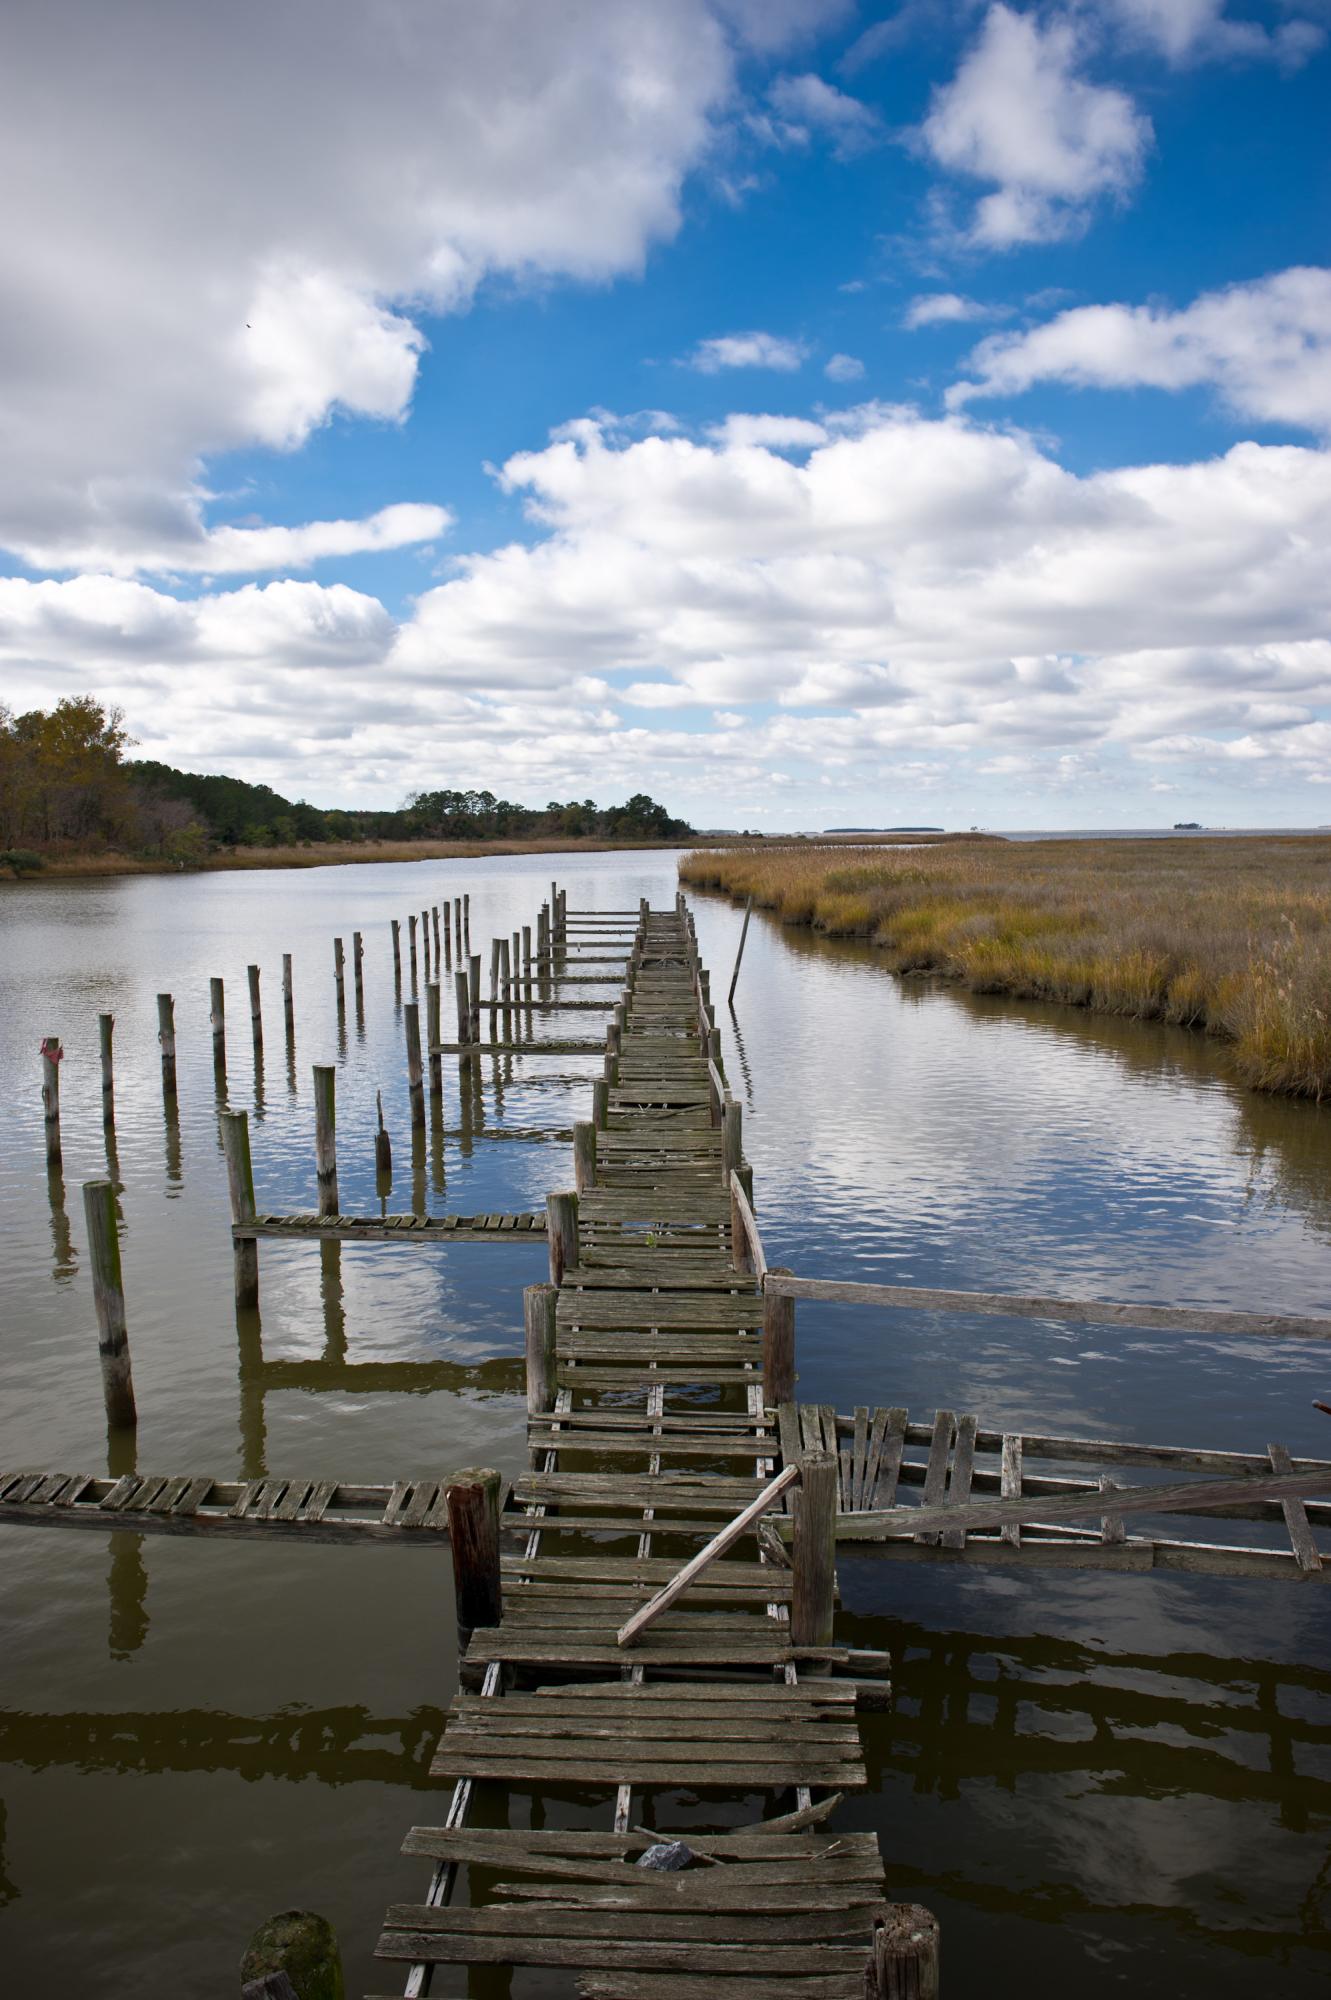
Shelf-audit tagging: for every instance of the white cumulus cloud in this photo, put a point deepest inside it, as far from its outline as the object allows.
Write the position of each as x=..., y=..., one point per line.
x=747, y=350
x=1265, y=347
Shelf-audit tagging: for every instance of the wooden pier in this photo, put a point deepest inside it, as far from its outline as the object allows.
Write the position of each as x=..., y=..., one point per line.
x=649, y=1351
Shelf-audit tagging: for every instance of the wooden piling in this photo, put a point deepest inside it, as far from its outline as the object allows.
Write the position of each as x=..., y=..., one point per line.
x=425, y=940
x=383, y=1145
x=434, y=918
x=561, y=1214
x=744, y=932
x=293, y=1955
x=397, y=950
x=778, y=1345
x=600, y=1103
x=466, y=922
x=256, y=1010
x=217, y=1016
x=106, y=1024
x=411, y=1015
x=325, y=1136
x=457, y=928
x=108, y=1291
x=813, y=1554
x=538, y=1311
x=526, y=959
x=732, y=1137
x=471, y=1497
x=357, y=958
x=235, y=1130
x=51, y=1053
x=411, y=947
x=474, y=995
x=166, y=1036
x=463, y=998
x=905, y=1954
x=584, y=1156
x=288, y=1000
x=494, y=986
x=434, y=1034
x=339, y=972
x=448, y=940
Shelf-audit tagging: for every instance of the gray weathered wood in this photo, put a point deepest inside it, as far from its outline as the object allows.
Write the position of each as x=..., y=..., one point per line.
x=813, y=1552
x=108, y=1290
x=539, y=1323
x=411, y=1018
x=562, y=1234
x=778, y=1345
x=234, y=1127
x=733, y=1532
x=256, y=1008
x=325, y=1136
x=584, y=1156
x=106, y=1024
x=288, y=1001
x=744, y=1231
x=434, y=1034
x=166, y=1037
x=905, y=1954
x=51, y=1055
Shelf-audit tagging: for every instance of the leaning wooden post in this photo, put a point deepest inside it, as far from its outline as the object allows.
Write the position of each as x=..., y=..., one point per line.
x=463, y=999
x=411, y=1015
x=235, y=1130
x=732, y=1137
x=434, y=1034
x=108, y=1290
x=325, y=1136
x=813, y=1555
x=538, y=1312
x=166, y=1036
x=106, y=1024
x=471, y=1497
x=778, y=1344
x=217, y=1015
x=744, y=932
x=561, y=1223
x=905, y=1954
x=584, y=1155
x=51, y=1057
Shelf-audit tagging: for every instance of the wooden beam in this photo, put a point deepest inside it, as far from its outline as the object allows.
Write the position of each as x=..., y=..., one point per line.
x=733, y=1532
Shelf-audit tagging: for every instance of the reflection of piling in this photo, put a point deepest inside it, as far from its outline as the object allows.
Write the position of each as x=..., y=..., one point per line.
x=235, y=1130
x=217, y=1016
x=411, y=1014
x=51, y=1055
x=108, y=1291
x=325, y=1136
x=166, y=1036
x=105, y=1030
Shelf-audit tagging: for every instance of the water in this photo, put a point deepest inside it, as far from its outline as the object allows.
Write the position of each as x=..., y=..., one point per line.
x=1103, y=1779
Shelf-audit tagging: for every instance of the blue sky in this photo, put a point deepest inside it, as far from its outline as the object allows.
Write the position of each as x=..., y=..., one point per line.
x=811, y=415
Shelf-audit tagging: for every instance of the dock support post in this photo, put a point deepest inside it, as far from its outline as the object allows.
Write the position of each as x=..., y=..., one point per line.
x=526, y=958
x=434, y=1034
x=466, y=922
x=905, y=1954
x=434, y=920
x=471, y=1497
x=474, y=995
x=732, y=1137
x=217, y=1015
x=494, y=986
x=584, y=1155
x=411, y=947
x=357, y=973
x=339, y=972
x=288, y=1000
x=425, y=940
x=813, y=1555
x=256, y=1010
x=108, y=1290
x=383, y=1145
x=325, y=1136
x=457, y=928
x=778, y=1345
x=411, y=1015
x=463, y=998
x=106, y=1024
x=600, y=1103
x=561, y=1221
x=397, y=951
x=538, y=1311
x=235, y=1130
x=166, y=1036
x=448, y=936
x=51, y=1056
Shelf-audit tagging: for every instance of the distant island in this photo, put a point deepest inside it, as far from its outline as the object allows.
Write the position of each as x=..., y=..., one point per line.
x=882, y=829
x=1188, y=826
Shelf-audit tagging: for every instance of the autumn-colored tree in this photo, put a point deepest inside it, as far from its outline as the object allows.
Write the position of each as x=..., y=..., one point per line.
x=61, y=777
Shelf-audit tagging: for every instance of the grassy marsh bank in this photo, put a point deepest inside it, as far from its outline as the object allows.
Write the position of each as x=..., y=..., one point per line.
x=322, y=854
x=1232, y=936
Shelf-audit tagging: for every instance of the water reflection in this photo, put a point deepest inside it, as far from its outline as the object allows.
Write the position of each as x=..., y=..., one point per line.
x=126, y=1574
x=175, y=1178
x=65, y=1263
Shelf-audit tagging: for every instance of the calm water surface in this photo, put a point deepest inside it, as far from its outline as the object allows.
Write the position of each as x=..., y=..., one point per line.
x=1112, y=1781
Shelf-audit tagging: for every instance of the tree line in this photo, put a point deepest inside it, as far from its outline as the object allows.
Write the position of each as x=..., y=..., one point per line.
x=67, y=786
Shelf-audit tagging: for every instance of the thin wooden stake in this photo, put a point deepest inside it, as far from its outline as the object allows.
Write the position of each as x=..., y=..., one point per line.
x=108, y=1290
x=748, y=912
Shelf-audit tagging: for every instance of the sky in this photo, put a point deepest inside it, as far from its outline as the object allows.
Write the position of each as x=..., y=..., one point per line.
x=812, y=415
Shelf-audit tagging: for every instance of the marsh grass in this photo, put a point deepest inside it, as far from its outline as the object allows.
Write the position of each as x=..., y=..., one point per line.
x=321, y=854
x=1232, y=936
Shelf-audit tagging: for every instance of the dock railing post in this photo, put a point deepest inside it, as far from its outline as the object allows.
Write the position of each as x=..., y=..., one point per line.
x=584, y=1155
x=561, y=1218
x=778, y=1344
x=108, y=1290
x=411, y=1015
x=235, y=1130
x=325, y=1136
x=813, y=1553
x=538, y=1312
x=905, y=1954
x=166, y=1036
x=471, y=1496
